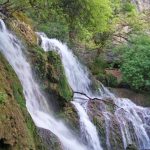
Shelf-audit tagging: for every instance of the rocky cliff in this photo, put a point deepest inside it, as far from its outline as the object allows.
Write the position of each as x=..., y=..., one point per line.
x=142, y=4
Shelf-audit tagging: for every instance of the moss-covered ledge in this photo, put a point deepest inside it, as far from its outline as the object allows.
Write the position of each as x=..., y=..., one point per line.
x=57, y=76
x=50, y=74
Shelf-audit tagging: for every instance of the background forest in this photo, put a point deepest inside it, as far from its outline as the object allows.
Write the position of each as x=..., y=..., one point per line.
x=95, y=29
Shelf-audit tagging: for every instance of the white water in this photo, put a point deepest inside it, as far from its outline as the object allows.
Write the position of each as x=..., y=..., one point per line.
x=139, y=117
x=79, y=81
x=35, y=101
x=128, y=112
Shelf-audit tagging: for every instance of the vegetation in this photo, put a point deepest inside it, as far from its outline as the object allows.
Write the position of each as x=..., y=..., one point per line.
x=89, y=25
x=135, y=65
x=64, y=18
x=13, y=114
x=2, y=97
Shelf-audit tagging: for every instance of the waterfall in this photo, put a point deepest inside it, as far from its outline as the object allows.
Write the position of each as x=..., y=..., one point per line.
x=78, y=78
x=36, y=103
x=133, y=120
x=128, y=115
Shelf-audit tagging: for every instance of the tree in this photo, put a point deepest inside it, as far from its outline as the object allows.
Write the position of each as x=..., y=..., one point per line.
x=92, y=16
x=8, y=7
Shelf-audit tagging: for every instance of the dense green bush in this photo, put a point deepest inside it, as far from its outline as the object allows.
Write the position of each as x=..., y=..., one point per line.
x=136, y=62
x=128, y=7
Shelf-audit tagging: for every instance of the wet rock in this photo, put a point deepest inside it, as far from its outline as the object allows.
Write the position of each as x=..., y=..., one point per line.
x=49, y=73
x=69, y=114
x=141, y=4
x=102, y=115
x=141, y=99
x=17, y=131
x=50, y=139
x=131, y=147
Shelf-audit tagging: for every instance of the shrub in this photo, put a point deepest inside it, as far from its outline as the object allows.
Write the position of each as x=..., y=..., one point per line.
x=136, y=65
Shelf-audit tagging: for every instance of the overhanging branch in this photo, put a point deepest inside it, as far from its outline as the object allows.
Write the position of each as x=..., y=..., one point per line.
x=95, y=98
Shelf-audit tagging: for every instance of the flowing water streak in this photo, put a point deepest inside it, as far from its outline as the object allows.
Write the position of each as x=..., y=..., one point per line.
x=35, y=101
x=137, y=117
x=134, y=121
x=78, y=79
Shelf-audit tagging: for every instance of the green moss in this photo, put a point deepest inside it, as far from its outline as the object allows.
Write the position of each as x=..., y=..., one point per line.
x=3, y=97
x=15, y=110
x=56, y=73
x=38, y=59
x=100, y=125
x=70, y=116
x=33, y=131
x=18, y=95
x=49, y=73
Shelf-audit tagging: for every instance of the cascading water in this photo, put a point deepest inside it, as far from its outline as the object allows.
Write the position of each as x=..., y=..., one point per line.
x=128, y=115
x=139, y=118
x=35, y=101
x=78, y=79
x=134, y=121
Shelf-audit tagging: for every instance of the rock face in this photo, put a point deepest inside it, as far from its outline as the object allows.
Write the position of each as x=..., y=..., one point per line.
x=141, y=99
x=131, y=147
x=50, y=74
x=17, y=130
x=50, y=140
x=108, y=129
x=47, y=67
x=142, y=4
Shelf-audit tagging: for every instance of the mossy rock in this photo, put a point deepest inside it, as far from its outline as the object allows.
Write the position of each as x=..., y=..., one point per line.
x=17, y=130
x=131, y=147
x=69, y=114
x=38, y=60
x=3, y=97
x=50, y=140
x=57, y=73
x=96, y=112
x=22, y=29
x=49, y=69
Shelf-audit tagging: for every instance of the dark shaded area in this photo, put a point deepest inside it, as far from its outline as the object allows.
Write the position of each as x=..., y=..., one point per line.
x=4, y=145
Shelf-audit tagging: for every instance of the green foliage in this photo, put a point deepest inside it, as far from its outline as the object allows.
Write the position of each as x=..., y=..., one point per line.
x=56, y=29
x=111, y=81
x=136, y=64
x=3, y=97
x=98, y=66
x=9, y=7
x=87, y=16
x=64, y=19
x=94, y=15
x=18, y=95
x=128, y=7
